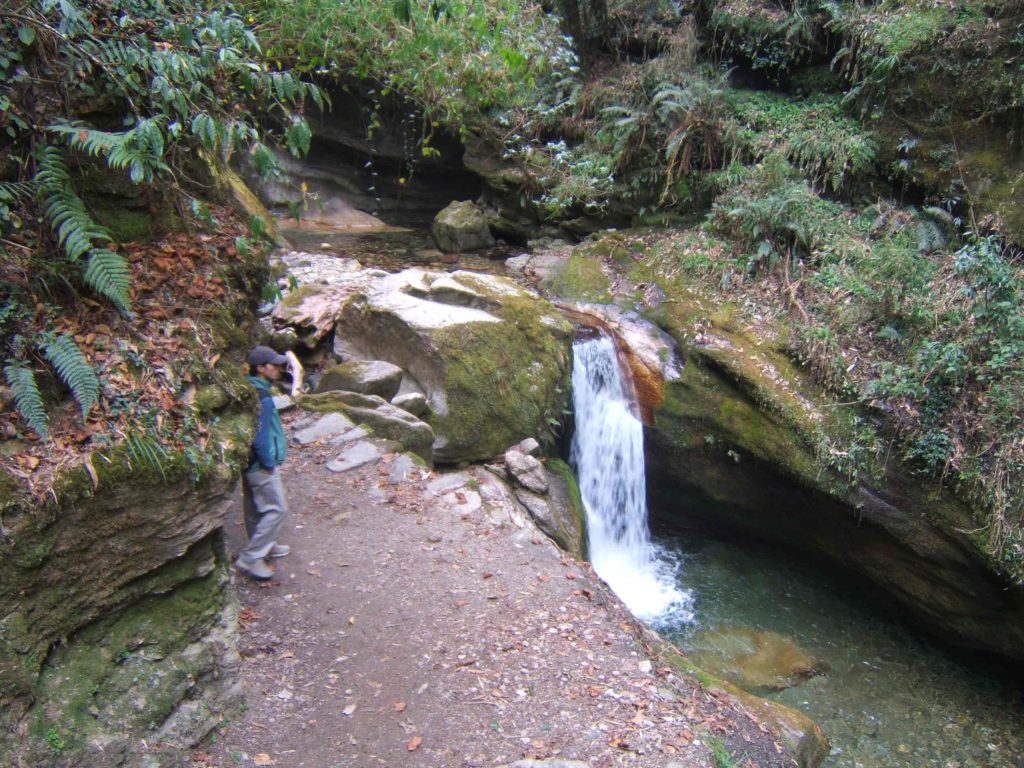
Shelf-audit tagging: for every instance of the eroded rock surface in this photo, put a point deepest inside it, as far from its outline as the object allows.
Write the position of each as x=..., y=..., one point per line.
x=491, y=358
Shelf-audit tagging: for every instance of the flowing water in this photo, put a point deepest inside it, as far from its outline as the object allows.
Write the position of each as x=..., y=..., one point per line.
x=608, y=456
x=889, y=699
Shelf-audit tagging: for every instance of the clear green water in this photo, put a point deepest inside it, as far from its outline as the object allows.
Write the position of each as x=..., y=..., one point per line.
x=892, y=699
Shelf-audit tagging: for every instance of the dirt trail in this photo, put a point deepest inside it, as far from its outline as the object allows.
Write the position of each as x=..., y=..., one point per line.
x=419, y=621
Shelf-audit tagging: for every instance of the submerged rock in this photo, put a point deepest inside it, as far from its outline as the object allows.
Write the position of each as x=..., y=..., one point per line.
x=754, y=659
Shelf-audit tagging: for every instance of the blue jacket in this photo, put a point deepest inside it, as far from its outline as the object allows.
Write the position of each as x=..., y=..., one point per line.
x=269, y=446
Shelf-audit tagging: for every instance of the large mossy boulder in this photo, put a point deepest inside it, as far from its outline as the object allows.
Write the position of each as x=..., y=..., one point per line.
x=461, y=226
x=492, y=358
x=118, y=642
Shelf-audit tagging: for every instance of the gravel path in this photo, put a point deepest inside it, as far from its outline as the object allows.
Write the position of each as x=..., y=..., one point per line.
x=421, y=621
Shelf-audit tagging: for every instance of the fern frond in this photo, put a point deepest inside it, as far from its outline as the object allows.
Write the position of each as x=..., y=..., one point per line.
x=146, y=451
x=28, y=398
x=75, y=371
x=139, y=150
x=65, y=210
x=109, y=274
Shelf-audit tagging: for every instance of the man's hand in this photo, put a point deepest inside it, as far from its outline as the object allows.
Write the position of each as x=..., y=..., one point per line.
x=297, y=372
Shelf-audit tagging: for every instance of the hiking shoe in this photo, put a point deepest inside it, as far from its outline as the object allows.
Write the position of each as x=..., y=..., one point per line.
x=254, y=569
x=279, y=550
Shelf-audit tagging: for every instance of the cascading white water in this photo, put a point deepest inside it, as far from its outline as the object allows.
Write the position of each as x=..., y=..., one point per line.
x=608, y=455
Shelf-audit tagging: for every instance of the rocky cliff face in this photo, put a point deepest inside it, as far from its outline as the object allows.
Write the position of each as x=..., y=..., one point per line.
x=724, y=455
x=118, y=642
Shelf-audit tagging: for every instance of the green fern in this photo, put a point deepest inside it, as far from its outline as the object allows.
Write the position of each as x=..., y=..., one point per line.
x=107, y=272
x=28, y=398
x=139, y=150
x=65, y=210
x=146, y=451
x=75, y=371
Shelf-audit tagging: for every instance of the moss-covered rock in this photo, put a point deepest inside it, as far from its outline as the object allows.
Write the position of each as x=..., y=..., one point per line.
x=120, y=543
x=579, y=278
x=386, y=420
x=740, y=437
x=460, y=227
x=492, y=359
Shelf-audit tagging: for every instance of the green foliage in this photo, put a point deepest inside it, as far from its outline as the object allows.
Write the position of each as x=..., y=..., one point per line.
x=814, y=134
x=456, y=60
x=774, y=218
x=720, y=755
x=28, y=398
x=146, y=452
x=109, y=94
x=107, y=272
x=71, y=365
x=767, y=37
x=880, y=42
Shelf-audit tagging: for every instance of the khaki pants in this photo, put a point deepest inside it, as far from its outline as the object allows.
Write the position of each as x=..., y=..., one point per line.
x=265, y=509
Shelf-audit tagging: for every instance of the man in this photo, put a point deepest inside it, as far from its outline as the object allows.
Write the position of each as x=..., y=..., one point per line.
x=262, y=490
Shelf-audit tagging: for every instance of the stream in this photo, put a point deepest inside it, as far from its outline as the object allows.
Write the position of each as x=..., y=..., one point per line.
x=891, y=698
x=886, y=697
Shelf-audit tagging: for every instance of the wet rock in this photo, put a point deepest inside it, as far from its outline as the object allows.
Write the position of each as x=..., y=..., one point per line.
x=754, y=659
x=368, y=377
x=461, y=227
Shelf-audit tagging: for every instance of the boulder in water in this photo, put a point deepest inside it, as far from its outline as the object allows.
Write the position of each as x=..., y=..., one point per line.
x=754, y=659
x=461, y=227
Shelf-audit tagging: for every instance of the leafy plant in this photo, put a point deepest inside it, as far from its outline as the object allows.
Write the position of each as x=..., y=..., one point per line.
x=158, y=82
x=74, y=370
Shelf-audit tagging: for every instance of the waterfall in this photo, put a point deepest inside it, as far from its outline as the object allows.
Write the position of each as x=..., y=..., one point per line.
x=608, y=455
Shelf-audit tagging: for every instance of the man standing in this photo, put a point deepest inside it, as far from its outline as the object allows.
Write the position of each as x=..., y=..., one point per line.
x=262, y=490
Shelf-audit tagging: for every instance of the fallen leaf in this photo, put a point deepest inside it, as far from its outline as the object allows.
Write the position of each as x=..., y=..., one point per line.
x=414, y=743
x=28, y=462
x=399, y=706
x=262, y=759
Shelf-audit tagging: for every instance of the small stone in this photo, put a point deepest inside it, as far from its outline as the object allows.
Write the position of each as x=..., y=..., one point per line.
x=356, y=455
x=283, y=402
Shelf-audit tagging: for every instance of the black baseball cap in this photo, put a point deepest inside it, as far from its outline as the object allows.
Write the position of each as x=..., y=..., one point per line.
x=262, y=355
